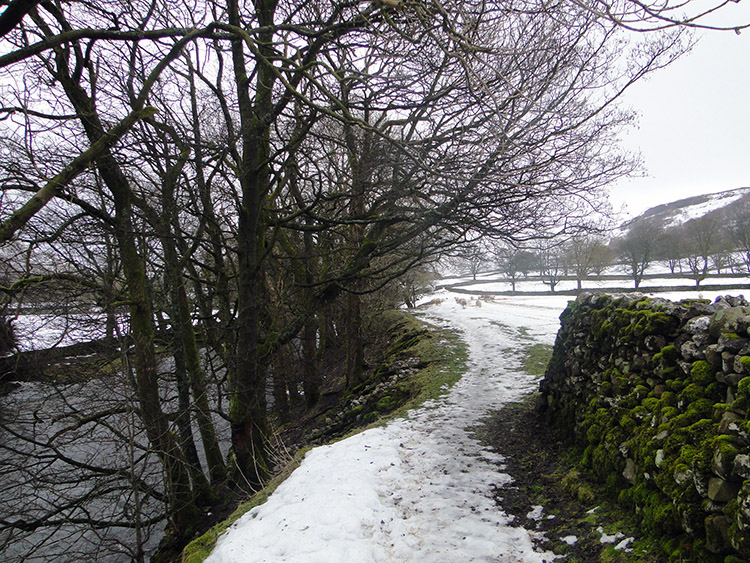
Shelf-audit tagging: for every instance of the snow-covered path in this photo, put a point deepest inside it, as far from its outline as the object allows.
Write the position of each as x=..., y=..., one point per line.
x=420, y=488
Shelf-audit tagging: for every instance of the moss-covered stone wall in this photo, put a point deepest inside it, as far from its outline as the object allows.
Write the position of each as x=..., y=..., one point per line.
x=656, y=395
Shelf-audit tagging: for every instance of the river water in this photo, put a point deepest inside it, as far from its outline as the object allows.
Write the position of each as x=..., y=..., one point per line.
x=78, y=481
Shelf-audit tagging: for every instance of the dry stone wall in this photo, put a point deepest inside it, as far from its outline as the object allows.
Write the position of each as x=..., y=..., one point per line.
x=656, y=394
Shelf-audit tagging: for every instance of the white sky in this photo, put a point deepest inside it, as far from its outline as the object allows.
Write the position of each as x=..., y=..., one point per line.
x=694, y=132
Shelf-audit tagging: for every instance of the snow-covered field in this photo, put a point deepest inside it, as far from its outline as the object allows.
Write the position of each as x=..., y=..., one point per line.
x=566, y=285
x=420, y=488
x=38, y=331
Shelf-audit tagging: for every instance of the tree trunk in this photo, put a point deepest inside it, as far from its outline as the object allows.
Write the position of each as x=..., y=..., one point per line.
x=182, y=510
x=310, y=375
x=354, y=345
x=203, y=492
x=247, y=413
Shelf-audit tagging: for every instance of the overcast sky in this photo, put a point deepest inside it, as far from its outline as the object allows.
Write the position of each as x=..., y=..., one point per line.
x=694, y=132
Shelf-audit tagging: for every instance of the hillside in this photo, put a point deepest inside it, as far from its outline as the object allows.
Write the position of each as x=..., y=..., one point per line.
x=678, y=212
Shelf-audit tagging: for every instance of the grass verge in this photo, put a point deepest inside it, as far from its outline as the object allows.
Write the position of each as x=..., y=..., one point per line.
x=536, y=359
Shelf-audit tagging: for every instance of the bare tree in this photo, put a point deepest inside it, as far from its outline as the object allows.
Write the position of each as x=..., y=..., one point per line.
x=514, y=262
x=551, y=262
x=639, y=247
x=587, y=254
x=739, y=229
x=700, y=240
x=671, y=250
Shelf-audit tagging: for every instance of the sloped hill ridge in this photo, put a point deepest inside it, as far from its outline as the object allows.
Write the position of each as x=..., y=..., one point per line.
x=681, y=211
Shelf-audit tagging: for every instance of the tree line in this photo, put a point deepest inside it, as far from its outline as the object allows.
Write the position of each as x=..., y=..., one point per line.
x=717, y=242
x=249, y=178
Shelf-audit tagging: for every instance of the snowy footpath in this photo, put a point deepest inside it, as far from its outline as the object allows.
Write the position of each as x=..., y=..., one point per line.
x=420, y=488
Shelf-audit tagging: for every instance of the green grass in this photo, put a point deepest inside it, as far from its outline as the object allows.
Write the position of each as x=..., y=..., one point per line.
x=445, y=355
x=536, y=359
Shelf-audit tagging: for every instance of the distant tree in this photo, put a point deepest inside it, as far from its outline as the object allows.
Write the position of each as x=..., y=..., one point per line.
x=639, y=247
x=721, y=260
x=513, y=261
x=586, y=254
x=602, y=259
x=670, y=250
x=721, y=256
x=701, y=237
x=475, y=257
x=551, y=262
x=696, y=266
x=413, y=285
x=526, y=262
x=739, y=229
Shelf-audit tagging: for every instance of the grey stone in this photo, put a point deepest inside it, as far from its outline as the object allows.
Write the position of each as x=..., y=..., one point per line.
x=725, y=320
x=742, y=466
x=728, y=420
x=744, y=504
x=713, y=355
x=700, y=482
x=654, y=342
x=711, y=507
x=720, y=490
x=684, y=366
x=630, y=471
x=659, y=458
x=692, y=351
x=731, y=343
x=640, y=362
x=682, y=476
x=727, y=361
x=698, y=325
x=717, y=533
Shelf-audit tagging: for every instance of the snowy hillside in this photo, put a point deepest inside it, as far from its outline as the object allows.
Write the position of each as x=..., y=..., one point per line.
x=678, y=212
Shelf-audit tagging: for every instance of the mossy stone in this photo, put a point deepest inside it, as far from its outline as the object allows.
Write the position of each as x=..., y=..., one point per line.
x=717, y=533
x=743, y=387
x=668, y=398
x=668, y=355
x=692, y=392
x=702, y=373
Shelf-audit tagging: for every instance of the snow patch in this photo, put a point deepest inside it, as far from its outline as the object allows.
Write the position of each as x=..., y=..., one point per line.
x=570, y=540
x=535, y=513
x=606, y=538
x=624, y=544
